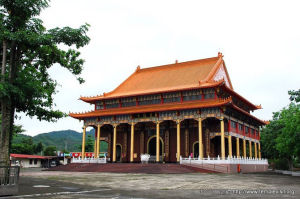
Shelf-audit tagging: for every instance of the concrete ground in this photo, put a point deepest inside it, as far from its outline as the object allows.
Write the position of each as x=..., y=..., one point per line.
x=35, y=183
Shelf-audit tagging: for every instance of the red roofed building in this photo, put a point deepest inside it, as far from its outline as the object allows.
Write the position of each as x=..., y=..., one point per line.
x=27, y=161
x=182, y=104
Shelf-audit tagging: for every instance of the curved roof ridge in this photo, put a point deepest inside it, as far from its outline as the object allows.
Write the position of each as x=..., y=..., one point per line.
x=177, y=64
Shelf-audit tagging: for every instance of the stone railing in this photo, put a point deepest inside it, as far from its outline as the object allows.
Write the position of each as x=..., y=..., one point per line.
x=229, y=165
x=9, y=180
x=90, y=160
x=228, y=160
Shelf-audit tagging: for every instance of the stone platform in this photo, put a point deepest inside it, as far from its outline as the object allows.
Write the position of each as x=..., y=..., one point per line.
x=131, y=168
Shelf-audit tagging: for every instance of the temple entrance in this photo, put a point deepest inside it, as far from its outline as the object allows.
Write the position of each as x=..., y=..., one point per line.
x=196, y=150
x=118, y=153
x=151, y=149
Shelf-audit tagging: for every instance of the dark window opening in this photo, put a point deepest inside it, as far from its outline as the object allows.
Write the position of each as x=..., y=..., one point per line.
x=129, y=101
x=149, y=99
x=99, y=105
x=191, y=95
x=171, y=97
x=112, y=104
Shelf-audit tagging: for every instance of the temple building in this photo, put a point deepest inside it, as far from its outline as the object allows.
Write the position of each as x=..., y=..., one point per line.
x=181, y=109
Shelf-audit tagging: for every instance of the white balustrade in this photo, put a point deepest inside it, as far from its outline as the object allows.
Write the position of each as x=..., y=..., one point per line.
x=228, y=160
x=89, y=160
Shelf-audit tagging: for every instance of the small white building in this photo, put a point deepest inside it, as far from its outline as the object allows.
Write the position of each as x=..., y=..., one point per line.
x=27, y=161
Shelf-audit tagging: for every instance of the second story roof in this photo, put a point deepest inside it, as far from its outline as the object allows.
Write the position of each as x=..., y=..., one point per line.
x=171, y=77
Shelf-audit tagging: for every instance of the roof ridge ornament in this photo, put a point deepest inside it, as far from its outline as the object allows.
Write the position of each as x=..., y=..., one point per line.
x=220, y=54
x=138, y=68
x=259, y=106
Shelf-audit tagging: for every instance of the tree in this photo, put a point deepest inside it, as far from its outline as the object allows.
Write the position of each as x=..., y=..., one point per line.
x=89, y=144
x=25, y=147
x=281, y=138
x=268, y=134
x=50, y=151
x=39, y=148
x=28, y=50
x=288, y=141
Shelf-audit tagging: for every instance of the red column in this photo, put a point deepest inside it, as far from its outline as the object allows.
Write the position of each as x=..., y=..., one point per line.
x=229, y=125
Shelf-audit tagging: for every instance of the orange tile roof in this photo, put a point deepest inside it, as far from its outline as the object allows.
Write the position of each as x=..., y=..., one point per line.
x=245, y=112
x=232, y=92
x=153, y=108
x=177, y=76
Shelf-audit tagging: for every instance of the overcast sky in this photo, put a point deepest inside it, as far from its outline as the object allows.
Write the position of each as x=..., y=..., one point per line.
x=260, y=41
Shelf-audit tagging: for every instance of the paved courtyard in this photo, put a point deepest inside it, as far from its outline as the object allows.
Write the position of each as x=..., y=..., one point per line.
x=35, y=183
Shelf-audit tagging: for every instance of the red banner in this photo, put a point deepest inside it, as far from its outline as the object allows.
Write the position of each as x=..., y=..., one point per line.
x=78, y=154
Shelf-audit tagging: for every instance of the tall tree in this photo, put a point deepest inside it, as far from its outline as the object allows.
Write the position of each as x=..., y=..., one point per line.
x=39, y=148
x=89, y=144
x=281, y=138
x=28, y=50
x=50, y=151
x=288, y=140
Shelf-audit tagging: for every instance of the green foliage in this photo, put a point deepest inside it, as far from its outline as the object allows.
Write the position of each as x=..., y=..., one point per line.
x=288, y=141
x=295, y=95
x=33, y=89
x=268, y=135
x=89, y=144
x=281, y=138
x=50, y=151
x=28, y=51
x=39, y=147
x=26, y=146
x=280, y=164
x=103, y=146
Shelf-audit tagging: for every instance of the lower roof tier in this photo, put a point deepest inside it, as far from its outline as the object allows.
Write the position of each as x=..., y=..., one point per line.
x=197, y=108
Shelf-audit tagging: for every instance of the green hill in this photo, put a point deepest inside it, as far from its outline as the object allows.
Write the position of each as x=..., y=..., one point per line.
x=68, y=140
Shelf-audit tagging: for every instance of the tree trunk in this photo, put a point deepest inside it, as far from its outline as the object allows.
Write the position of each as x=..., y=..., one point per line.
x=7, y=108
x=290, y=162
x=3, y=67
x=6, y=130
x=4, y=134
